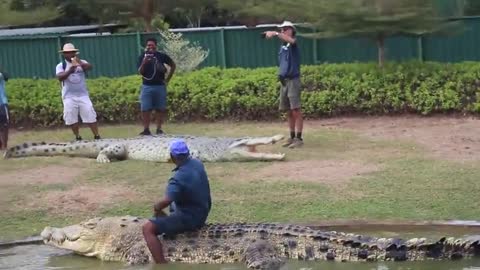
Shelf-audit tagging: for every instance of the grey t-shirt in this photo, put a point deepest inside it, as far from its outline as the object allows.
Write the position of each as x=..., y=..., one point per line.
x=75, y=85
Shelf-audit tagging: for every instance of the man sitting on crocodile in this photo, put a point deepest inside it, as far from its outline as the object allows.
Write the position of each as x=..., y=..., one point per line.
x=187, y=194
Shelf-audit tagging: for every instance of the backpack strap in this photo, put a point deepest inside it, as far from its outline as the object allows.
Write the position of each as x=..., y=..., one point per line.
x=64, y=66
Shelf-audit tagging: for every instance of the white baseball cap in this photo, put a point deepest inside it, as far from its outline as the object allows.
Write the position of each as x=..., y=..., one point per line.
x=286, y=24
x=68, y=47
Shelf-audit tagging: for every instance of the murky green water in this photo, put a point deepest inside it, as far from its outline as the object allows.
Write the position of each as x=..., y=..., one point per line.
x=36, y=257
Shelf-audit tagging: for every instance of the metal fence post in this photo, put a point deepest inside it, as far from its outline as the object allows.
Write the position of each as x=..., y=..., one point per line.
x=223, y=56
x=139, y=41
x=420, y=48
x=59, y=45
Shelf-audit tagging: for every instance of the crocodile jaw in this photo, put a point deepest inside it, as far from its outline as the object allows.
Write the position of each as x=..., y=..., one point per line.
x=70, y=238
x=246, y=150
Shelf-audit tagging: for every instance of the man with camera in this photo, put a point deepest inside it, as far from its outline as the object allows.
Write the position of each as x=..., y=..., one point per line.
x=289, y=77
x=71, y=73
x=153, y=95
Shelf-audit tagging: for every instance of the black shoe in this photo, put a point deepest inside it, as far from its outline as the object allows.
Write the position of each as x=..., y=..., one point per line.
x=97, y=137
x=145, y=132
x=159, y=131
x=78, y=138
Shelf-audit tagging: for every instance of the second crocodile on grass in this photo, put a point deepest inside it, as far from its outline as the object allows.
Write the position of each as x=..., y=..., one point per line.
x=154, y=148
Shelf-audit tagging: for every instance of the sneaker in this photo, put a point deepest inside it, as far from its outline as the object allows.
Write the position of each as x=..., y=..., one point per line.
x=97, y=137
x=145, y=132
x=296, y=143
x=159, y=131
x=289, y=141
x=78, y=138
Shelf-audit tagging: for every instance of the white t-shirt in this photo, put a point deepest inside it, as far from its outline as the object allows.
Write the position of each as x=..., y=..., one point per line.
x=74, y=85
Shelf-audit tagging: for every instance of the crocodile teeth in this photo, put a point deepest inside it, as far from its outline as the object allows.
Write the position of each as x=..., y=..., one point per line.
x=58, y=236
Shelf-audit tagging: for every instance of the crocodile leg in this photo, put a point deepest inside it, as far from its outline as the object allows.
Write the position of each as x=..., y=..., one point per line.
x=115, y=151
x=261, y=255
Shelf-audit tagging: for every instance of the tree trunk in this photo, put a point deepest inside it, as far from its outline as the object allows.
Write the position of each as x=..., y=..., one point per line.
x=381, y=50
x=147, y=13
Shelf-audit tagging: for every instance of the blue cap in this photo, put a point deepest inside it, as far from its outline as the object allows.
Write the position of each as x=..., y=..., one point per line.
x=178, y=147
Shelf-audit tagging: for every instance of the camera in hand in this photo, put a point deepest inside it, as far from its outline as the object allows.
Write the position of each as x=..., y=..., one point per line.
x=263, y=35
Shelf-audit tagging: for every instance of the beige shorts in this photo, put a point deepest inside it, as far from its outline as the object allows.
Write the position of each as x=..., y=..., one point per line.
x=290, y=95
x=74, y=106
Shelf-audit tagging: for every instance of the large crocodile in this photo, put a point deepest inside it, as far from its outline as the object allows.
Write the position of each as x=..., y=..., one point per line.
x=154, y=148
x=259, y=246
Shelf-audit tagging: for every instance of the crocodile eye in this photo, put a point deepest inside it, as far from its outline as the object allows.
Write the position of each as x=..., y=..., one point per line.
x=90, y=225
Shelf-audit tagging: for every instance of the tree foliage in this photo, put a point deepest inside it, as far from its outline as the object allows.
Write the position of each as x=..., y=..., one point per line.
x=190, y=13
x=138, y=24
x=376, y=19
x=472, y=8
x=19, y=12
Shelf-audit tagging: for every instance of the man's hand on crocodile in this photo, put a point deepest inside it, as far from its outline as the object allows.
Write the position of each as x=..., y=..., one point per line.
x=159, y=206
x=159, y=213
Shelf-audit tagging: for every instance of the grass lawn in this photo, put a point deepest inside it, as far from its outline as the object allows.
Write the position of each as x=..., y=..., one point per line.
x=338, y=174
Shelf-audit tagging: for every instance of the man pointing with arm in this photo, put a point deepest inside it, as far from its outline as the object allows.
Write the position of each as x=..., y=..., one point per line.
x=289, y=77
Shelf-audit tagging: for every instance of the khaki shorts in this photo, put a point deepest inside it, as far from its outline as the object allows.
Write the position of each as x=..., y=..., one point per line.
x=73, y=106
x=290, y=95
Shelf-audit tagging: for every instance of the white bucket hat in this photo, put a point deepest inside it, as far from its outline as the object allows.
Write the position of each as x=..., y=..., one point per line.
x=68, y=47
x=286, y=24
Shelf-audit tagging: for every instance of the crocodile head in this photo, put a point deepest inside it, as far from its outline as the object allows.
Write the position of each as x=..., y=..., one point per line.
x=110, y=239
x=245, y=149
x=79, y=238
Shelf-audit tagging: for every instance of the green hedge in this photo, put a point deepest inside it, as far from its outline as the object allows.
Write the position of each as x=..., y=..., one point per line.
x=246, y=94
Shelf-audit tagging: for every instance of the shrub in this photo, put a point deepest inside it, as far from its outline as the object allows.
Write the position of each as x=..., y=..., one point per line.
x=252, y=94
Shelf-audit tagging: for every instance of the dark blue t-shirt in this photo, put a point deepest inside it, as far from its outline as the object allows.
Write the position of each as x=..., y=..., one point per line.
x=155, y=75
x=289, y=61
x=189, y=190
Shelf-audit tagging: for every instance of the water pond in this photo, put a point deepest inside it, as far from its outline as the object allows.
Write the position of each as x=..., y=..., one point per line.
x=36, y=257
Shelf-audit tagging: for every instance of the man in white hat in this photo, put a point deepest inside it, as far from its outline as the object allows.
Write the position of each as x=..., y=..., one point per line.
x=75, y=96
x=289, y=77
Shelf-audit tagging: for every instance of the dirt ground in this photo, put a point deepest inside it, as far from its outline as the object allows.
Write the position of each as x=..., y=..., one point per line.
x=81, y=199
x=449, y=138
x=332, y=172
x=454, y=139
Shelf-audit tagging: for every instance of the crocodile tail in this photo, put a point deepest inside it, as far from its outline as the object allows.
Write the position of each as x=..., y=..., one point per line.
x=46, y=149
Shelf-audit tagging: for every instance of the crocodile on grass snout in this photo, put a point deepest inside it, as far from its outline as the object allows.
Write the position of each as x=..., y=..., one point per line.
x=259, y=245
x=154, y=148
